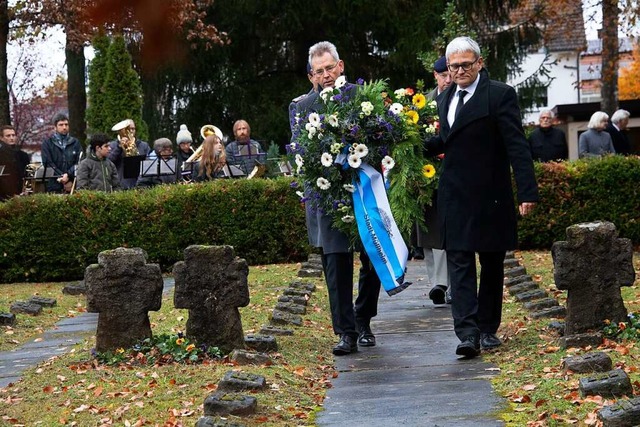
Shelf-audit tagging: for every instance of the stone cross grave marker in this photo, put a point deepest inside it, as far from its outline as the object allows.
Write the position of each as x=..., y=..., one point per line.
x=212, y=283
x=592, y=265
x=123, y=288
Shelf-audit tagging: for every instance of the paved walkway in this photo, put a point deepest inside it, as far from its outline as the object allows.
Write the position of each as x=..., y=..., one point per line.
x=412, y=377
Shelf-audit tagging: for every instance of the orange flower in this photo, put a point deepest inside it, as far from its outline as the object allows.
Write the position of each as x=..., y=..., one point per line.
x=190, y=347
x=180, y=341
x=622, y=326
x=408, y=91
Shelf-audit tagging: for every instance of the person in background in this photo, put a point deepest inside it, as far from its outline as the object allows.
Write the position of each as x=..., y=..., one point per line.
x=546, y=142
x=162, y=149
x=61, y=152
x=183, y=141
x=243, y=150
x=595, y=142
x=117, y=154
x=483, y=143
x=618, y=131
x=97, y=172
x=212, y=162
x=435, y=256
x=14, y=160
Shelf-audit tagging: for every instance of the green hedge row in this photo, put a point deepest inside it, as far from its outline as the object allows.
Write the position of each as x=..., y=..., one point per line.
x=581, y=191
x=48, y=237
x=52, y=237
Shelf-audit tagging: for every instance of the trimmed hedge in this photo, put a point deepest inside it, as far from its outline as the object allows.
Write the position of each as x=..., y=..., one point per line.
x=51, y=237
x=581, y=191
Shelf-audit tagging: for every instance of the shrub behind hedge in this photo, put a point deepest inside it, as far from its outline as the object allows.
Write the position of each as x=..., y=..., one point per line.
x=51, y=237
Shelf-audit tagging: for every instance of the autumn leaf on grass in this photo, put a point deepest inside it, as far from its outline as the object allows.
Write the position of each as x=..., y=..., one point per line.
x=529, y=387
x=299, y=371
x=521, y=399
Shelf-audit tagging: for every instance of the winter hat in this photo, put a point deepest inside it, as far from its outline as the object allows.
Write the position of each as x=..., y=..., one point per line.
x=183, y=135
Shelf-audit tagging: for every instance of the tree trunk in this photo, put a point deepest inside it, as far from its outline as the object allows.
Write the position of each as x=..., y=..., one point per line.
x=609, y=90
x=5, y=109
x=76, y=91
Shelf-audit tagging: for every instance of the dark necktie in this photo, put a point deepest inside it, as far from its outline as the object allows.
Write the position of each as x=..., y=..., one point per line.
x=461, y=96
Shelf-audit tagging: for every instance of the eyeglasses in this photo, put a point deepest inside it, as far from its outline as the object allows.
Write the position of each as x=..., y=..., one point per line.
x=466, y=66
x=545, y=118
x=326, y=69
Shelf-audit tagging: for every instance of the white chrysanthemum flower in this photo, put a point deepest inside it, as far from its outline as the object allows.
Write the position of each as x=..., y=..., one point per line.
x=349, y=187
x=300, y=194
x=314, y=119
x=333, y=120
x=433, y=104
x=299, y=160
x=361, y=150
x=354, y=161
x=367, y=107
x=388, y=163
x=335, y=148
x=340, y=81
x=312, y=131
x=396, y=108
x=400, y=93
x=308, y=126
x=326, y=160
x=326, y=92
x=323, y=183
x=431, y=128
x=348, y=219
x=293, y=146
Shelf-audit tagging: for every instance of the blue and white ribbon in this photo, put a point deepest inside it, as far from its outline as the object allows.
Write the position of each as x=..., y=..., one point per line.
x=378, y=231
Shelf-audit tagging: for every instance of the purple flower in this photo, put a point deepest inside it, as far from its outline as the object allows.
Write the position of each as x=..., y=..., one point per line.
x=360, y=81
x=354, y=130
x=294, y=184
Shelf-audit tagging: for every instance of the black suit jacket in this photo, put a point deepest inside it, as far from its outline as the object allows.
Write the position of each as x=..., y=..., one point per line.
x=476, y=209
x=620, y=140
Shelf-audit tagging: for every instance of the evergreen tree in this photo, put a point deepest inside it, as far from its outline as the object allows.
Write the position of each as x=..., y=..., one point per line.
x=96, y=120
x=122, y=90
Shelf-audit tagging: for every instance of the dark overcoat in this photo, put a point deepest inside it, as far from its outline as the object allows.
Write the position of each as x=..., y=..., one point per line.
x=476, y=210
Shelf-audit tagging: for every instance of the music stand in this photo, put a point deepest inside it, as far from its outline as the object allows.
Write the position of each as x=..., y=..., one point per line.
x=131, y=166
x=158, y=167
x=1, y=170
x=232, y=171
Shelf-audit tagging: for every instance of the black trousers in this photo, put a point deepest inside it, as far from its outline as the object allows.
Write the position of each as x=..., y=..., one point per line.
x=338, y=272
x=474, y=309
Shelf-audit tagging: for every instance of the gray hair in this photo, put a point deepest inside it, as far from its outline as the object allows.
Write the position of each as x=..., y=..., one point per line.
x=461, y=45
x=547, y=111
x=321, y=48
x=620, y=115
x=597, y=118
x=161, y=144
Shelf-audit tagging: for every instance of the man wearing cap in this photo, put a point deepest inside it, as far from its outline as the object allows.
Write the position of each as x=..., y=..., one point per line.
x=434, y=255
x=117, y=154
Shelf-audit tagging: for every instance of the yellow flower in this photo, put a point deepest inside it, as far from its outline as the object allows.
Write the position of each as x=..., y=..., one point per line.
x=120, y=350
x=180, y=341
x=190, y=347
x=419, y=101
x=428, y=171
x=413, y=116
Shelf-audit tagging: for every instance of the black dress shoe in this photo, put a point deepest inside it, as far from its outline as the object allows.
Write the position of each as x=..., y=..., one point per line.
x=489, y=341
x=437, y=294
x=366, y=337
x=418, y=253
x=346, y=345
x=469, y=347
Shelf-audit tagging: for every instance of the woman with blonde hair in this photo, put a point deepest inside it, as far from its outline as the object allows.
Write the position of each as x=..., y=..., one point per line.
x=595, y=142
x=213, y=159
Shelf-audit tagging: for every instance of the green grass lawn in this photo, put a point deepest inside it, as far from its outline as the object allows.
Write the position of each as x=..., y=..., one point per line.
x=75, y=390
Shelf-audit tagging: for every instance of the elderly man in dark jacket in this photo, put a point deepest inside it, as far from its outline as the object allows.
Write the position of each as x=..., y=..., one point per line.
x=97, y=172
x=482, y=138
x=548, y=143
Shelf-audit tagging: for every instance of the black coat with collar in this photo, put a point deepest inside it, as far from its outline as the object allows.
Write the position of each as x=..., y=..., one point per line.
x=476, y=209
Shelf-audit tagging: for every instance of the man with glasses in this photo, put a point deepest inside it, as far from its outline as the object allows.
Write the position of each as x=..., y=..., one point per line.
x=117, y=154
x=548, y=143
x=482, y=138
x=351, y=323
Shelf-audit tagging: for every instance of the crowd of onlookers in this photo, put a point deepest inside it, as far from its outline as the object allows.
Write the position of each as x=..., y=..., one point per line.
x=109, y=164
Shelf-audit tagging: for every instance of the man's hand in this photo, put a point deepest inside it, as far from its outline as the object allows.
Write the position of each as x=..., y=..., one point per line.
x=526, y=207
x=64, y=179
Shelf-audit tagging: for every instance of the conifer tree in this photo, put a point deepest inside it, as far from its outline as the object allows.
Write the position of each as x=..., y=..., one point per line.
x=123, y=92
x=96, y=120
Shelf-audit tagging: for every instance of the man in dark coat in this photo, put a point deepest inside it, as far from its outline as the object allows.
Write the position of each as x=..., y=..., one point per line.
x=15, y=162
x=618, y=131
x=548, y=143
x=61, y=152
x=351, y=323
x=476, y=211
